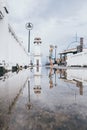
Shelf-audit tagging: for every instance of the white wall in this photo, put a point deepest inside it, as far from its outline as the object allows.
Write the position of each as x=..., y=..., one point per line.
x=11, y=51
x=3, y=36
x=17, y=53
x=37, y=54
x=10, y=88
x=77, y=59
x=77, y=74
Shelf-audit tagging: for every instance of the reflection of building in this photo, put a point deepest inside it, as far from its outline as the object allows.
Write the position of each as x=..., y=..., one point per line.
x=11, y=87
x=52, y=77
x=80, y=86
x=37, y=77
x=63, y=74
x=77, y=74
x=77, y=77
x=37, y=53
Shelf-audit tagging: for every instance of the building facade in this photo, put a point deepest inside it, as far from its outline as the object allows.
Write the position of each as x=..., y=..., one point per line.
x=37, y=52
x=12, y=53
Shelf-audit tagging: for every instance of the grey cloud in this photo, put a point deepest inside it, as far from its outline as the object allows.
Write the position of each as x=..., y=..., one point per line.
x=58, y=8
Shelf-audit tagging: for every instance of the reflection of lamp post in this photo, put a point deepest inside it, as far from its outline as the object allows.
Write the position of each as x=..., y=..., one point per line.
x=29, y=27
x=29, y=103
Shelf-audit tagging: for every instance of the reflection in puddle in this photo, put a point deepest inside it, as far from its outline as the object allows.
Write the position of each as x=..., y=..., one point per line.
x=11, y=87
x=37, y=80
x=52, y=78
x=29, y=105
x=44, y=99
x=75, y=76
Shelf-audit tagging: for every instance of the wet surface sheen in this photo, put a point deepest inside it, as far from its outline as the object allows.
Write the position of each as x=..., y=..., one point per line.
x=44, y=99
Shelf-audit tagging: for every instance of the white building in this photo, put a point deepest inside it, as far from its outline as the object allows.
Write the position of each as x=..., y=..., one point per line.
x=37, y=52
x=12, y=52
x=78, y=57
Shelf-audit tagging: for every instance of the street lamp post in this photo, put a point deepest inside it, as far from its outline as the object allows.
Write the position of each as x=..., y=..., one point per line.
x=29, y=27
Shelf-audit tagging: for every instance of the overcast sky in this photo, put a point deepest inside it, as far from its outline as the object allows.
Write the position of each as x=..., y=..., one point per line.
x=55, y=21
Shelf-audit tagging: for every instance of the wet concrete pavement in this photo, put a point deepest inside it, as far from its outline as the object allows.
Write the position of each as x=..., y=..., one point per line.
x=42, y=98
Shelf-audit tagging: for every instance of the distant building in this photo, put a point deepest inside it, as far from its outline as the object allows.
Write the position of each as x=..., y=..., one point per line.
x=74, y=56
